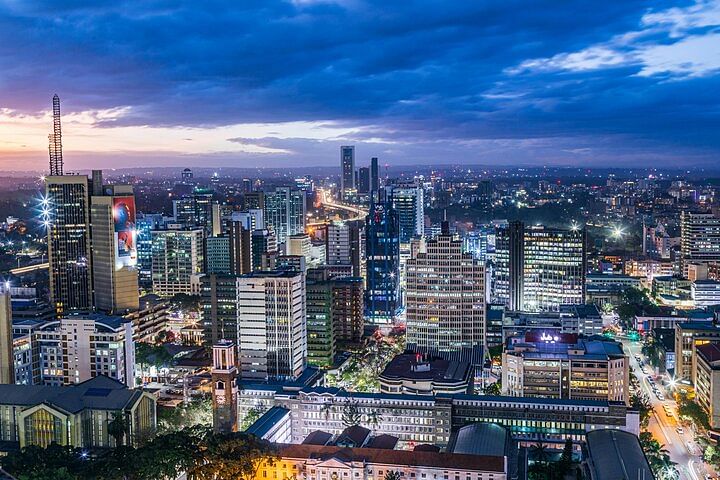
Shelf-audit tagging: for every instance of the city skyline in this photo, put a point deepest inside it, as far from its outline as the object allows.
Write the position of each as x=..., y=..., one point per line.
x=285, y=84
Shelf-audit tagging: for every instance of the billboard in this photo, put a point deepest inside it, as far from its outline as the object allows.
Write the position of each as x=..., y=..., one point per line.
x=123, y=209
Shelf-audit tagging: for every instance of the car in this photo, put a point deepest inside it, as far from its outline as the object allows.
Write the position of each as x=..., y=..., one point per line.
x=680, y=430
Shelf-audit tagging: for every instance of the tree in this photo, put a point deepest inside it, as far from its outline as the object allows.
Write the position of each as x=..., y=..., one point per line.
x=690, y=409
x=566, y=459
x=351, y=415
x=374, y=419
x=195, y=412
x=494, y=388
x=235, y=455
x=392, y=475
x=117, y=428
x=35, y=463
x=641, y=402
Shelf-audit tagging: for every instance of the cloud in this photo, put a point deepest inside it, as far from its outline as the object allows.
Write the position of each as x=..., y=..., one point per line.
x=426, y=81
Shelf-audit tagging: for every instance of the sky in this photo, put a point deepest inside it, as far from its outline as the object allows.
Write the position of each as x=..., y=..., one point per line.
x=275, y=83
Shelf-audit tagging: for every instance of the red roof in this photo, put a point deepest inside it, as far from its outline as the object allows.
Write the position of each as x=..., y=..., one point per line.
x=450, y=461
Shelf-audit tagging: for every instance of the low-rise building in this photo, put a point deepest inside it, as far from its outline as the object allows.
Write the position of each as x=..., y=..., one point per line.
x=614, y=454
x=705, y=293
x=417, y=374
x=329, y=462
x=606, y=289
x=551, y=366
x=74, y=415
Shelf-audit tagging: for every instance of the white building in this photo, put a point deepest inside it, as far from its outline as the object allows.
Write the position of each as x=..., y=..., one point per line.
x=705, y=293
x=272, y=325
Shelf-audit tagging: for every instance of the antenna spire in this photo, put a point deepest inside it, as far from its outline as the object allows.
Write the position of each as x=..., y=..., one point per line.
x=55, y=140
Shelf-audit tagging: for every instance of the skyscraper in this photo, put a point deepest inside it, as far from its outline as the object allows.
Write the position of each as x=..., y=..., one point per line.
x=177, y=262
x=382, y=292
x=445, y=301
x=285, y=212
x=699, y=239
x=363, y=180
x=538, y=268
x=347, y=169
x=219, y=307
x=145, y=225
x=409, y=203
x=68, y=213
x=346, y=245
x=114, y=250
x=272, y=325
x=374, y=175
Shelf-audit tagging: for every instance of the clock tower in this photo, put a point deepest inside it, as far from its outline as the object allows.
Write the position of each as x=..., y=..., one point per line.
x=225, y=390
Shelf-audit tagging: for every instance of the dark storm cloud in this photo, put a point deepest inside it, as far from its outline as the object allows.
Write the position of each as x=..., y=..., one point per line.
x=435, y=80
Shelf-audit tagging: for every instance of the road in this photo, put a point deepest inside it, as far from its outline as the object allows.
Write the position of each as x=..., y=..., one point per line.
x=682, y=448
x=360, y=213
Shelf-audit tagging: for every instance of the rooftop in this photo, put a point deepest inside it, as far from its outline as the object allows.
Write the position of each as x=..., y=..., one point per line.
x=98, y=393
x=413, y=366
x=616, y=454
x=267, y=421
x=395, y=457
x=710, y=352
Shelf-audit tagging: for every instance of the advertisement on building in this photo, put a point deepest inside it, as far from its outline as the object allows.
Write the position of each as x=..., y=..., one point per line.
x=125, y=232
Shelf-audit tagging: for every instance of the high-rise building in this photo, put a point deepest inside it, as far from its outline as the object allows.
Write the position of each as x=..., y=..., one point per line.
x=67, y=209
x=264, y=243
x=363, y=185
x=382, y=247
x=347, y=169
x=445, y=301
x=177, y=262
x=699, y=238
x=374, y=175
x=196, y=211
x=408, y=201
x=240, y=243
x=347, y=311
x=253, y=200
x=146, y=223
x=219, y=308
x=7, y=356
x=320, y=331
x=217, y=255
x=272, y=325
x=285, y=212
x=538, y=268
x=346, y=245
x=509, y=268
x=114, y=250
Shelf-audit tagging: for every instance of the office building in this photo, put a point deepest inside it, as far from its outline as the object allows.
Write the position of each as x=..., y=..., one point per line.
x=217, y=255
x=253, y=200
x=74, y=415
x=347, y=312
x=345, y=243
x=272, y=325
x=67, y=210
x=706, y=380
x=705, y=293
x=177, y=262
x=445, y=301
x=196, y=211
x=363, y=183
x=321, y=341
x=347, y=169
x=240, y=246
x=300, y=245
x=7, y=355
x=699, y=238
x=408, y=201
x=418, y=374
x=688, y=336
x=382, y=248
x=285, y=212
x=146, y=223
x=218, y=300
x=604, y=289
x=374, y=175
x=547, y=365
x=263, y=243
x=114, y=250
x=431, y=419
x=538, y=268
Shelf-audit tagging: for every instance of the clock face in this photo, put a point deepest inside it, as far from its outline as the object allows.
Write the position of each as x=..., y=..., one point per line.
x=220, y=399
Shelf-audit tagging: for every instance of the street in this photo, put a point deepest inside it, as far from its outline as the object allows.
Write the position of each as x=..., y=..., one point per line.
x=681, y=447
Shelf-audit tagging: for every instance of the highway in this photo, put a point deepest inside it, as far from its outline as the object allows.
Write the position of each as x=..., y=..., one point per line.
x=359, y=213
x=681, y=447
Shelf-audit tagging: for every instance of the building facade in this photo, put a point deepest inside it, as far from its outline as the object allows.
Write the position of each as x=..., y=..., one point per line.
x=382, y=292
x=445, y=301
x=177, y=262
